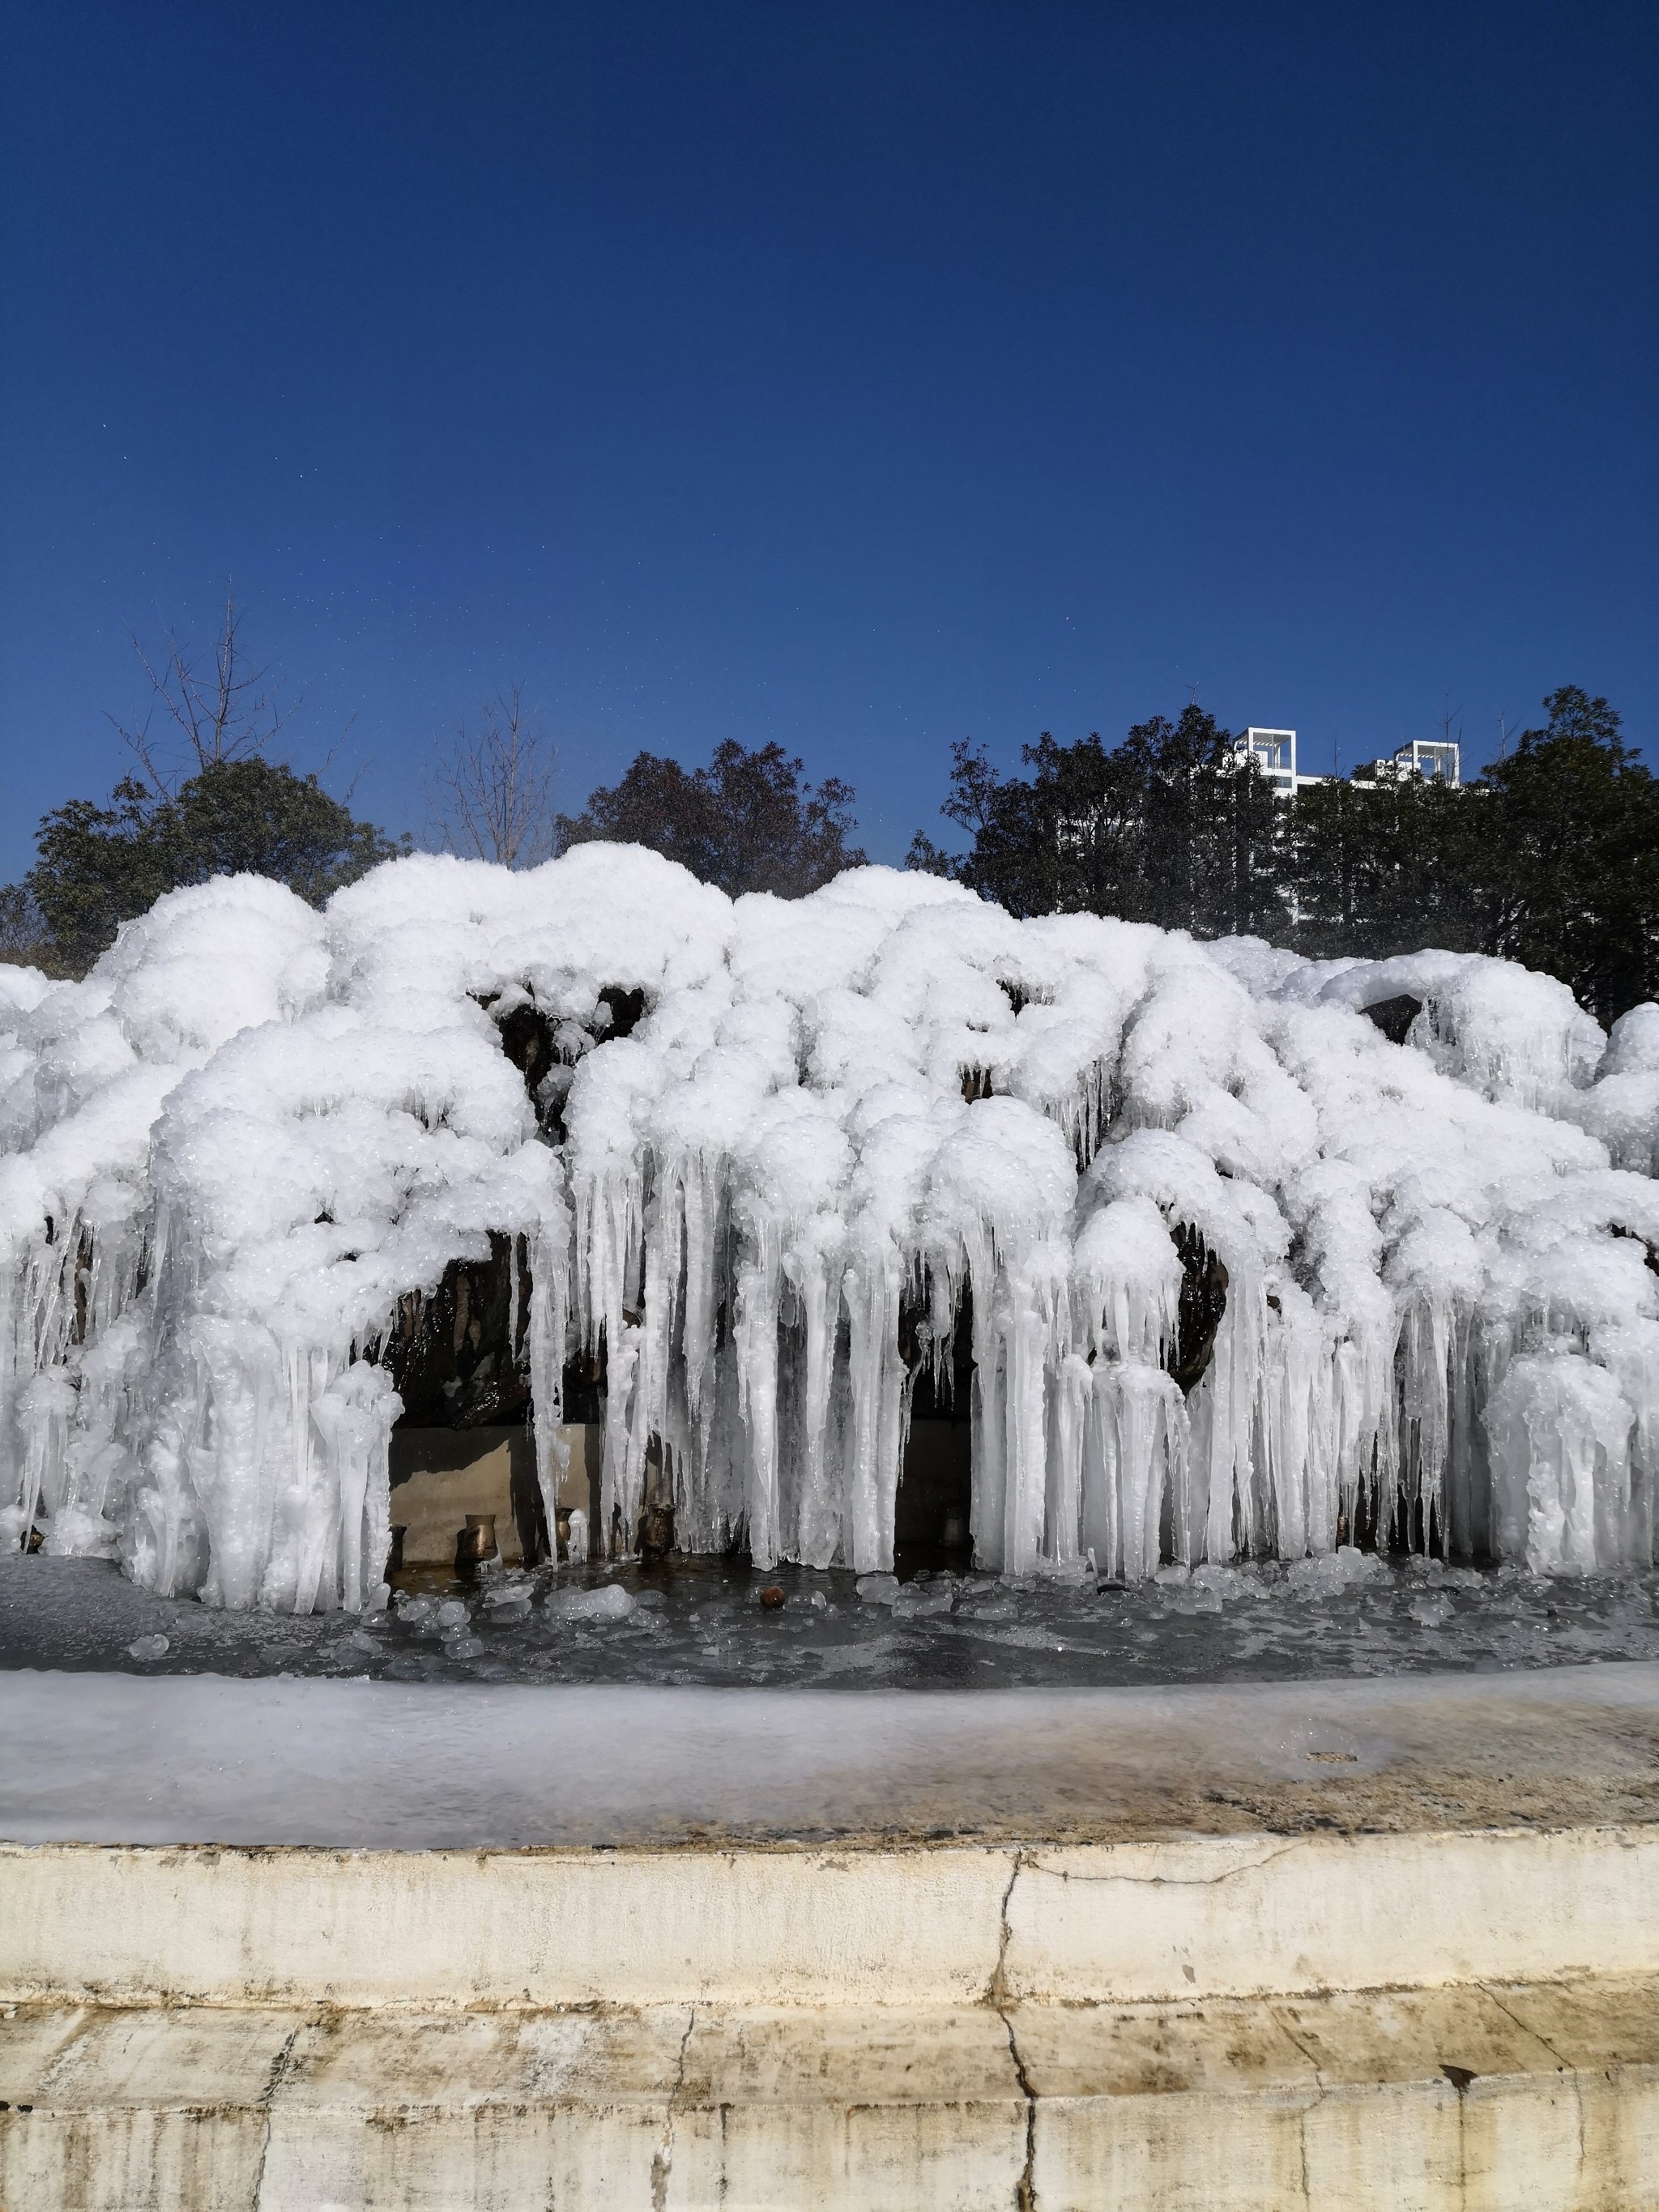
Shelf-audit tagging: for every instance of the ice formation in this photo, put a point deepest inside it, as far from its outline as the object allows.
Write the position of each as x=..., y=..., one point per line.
x=1241, y=1273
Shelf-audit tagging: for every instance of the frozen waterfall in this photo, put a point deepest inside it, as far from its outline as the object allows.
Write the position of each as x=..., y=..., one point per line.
x=1241, y=1275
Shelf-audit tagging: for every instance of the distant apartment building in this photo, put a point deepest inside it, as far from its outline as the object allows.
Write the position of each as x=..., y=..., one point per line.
x=1437, y=760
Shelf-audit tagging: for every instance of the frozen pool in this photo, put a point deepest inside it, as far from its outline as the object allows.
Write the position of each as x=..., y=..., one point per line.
x=699, y=1621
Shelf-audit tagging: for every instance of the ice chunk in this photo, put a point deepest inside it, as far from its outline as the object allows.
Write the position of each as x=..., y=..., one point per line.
x=1333, y=1572
x=916, y=1601
x=610, y=1602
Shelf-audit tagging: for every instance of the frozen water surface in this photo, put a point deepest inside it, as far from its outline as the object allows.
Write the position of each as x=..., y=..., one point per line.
x=700, y=1622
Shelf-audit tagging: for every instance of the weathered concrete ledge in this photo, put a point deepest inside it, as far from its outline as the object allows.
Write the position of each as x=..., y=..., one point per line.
x=1487, y=2098
x=1090, y=1923
x=1355, y=1989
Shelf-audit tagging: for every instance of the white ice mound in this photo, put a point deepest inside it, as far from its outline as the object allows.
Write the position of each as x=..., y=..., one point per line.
x=1243, y=1274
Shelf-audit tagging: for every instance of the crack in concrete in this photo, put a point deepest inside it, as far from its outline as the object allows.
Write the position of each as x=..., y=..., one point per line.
x=1164, y=1881
x=1025, y=2188
x=1025, y=2197
x=662, y=2162
x=1319, y=2096
x=996, y=1992
x=277, y=2076
x=1525, y=2026
x=1565, y=2064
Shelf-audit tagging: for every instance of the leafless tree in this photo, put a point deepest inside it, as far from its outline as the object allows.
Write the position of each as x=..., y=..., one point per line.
x=491, y=793
x=223, y=713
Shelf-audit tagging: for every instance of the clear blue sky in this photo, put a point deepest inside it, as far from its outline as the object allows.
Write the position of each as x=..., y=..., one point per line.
x=861, y=376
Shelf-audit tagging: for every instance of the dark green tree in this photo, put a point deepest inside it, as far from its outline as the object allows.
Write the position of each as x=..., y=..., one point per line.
x=1574, y=872
x=23, y=939
x=1016, y=857
x=1389, y=866
x=98, y=866
x=747, y=822
x=229, y=811
x=1171, y=826
x=1209, y=859
x=1552, y=858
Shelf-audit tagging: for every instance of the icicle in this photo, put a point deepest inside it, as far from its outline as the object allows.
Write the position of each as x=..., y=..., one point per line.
x=1560, y=1431
x=549, y=1328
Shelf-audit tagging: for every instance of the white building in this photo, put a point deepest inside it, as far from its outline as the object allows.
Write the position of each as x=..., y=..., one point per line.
x=1435, y=759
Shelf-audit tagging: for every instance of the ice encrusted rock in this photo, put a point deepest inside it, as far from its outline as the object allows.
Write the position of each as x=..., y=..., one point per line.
x=228, y=1154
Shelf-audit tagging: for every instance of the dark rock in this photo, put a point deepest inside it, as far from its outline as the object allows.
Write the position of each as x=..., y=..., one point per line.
x=1394, y=1017
x=1203, y=1304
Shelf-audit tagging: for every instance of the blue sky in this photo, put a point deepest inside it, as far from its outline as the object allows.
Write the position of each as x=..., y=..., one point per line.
x=863, y=377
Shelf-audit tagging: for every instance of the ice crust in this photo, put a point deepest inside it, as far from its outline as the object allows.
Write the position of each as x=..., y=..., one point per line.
x=228, y=1154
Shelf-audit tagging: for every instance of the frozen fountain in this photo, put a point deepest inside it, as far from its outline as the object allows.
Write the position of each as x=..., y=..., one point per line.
x=1283, y=1316
x=1238, y=1274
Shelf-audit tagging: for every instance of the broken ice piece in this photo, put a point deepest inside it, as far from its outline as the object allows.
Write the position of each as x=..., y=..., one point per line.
x=914, y=1604
x=612, y=1602
x=989, y=1609
x=147, y=1647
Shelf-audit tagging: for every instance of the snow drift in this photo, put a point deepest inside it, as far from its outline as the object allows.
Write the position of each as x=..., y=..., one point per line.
x=1241, y=1273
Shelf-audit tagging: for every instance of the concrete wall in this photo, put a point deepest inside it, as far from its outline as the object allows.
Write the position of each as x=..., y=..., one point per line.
x=440, y=1475
x=1129, y=1923
x=1333, y=2105
x=201, y=2031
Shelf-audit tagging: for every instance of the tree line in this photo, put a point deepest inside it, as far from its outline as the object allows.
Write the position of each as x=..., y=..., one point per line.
x=203, y=797
x=1551, y=857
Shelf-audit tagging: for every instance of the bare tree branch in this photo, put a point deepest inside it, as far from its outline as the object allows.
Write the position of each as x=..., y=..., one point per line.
x=490, y=794
x=224, y=715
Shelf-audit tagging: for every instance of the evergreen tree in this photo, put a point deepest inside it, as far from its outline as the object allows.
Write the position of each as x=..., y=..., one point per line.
x=747, y=822
x=1551, y=859
x=1388, y=868
x=1208, y=853
x=99, y=867
x=1172, y=827
x=1574, y=862
x=230, y=811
